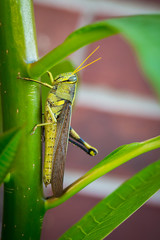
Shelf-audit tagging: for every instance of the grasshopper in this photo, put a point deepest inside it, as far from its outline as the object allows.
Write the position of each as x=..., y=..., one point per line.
x=57, y=117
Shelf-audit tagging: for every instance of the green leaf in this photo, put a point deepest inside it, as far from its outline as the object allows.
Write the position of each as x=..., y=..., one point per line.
x=117, y=207
x=118, y=157
x=141, y=31
x=8, y=146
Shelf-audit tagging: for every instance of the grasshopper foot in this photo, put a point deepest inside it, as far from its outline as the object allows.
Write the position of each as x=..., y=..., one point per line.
x=34, y=129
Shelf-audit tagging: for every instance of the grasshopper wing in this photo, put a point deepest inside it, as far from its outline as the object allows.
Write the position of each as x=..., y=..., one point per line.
x=59, y=155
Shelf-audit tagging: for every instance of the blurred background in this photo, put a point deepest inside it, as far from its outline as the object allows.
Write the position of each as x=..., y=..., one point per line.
x=115, y=106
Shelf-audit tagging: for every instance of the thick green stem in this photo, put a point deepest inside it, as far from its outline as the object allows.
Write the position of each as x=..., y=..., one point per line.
x=23, y=201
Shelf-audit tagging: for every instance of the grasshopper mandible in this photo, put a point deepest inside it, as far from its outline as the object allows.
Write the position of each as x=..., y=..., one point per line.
x=58, y=131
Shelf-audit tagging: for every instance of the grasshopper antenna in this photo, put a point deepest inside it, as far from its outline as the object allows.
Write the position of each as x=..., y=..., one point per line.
x=78, y=68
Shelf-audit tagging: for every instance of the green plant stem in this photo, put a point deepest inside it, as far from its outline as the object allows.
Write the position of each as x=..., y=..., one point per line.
x=113, y=160
x=23, y=202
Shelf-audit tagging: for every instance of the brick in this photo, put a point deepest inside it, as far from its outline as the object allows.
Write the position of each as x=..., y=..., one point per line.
x=118, y=68
x=53, y=26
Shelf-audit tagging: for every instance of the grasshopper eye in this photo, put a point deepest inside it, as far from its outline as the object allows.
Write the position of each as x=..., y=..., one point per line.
x=67, y=77
x=73, y=78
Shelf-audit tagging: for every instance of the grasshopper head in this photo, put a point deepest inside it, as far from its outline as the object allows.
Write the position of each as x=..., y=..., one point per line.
x=65, y=86
x=69, y=77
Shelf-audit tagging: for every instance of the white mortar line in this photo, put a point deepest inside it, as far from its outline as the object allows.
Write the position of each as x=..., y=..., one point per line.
x=103, y=186
x=103, y=7
x=108, y=100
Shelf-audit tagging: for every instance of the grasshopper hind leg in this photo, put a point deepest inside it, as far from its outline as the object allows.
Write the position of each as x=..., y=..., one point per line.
x=79, y=142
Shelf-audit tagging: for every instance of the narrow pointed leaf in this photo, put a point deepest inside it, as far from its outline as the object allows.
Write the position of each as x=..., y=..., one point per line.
x=8, y=146
x=117, y=207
